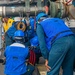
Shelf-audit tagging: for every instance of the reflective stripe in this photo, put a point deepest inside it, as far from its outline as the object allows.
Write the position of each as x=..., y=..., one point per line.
x=18, y=45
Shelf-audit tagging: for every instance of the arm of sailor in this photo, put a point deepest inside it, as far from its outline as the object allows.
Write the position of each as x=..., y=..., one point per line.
x=42, y=43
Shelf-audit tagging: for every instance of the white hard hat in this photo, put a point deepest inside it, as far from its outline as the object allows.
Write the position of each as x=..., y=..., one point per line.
x=17, y=18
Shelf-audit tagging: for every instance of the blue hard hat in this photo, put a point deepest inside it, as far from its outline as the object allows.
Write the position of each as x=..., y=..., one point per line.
x=42, y=14
x=19, y=33
x=34, y=41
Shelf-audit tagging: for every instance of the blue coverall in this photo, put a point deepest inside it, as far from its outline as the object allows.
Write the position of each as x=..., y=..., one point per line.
x=16, y=55
x=57, y=45
x=35, y=43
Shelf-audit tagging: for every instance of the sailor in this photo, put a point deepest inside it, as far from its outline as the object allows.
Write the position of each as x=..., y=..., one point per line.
x=7, y=23
x=16, y=55
x=57, y=44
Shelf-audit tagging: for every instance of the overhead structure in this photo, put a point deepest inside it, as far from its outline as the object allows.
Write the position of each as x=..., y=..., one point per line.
x=61, y=9
x=28, y=7
x=56, y=8
x=11, y=2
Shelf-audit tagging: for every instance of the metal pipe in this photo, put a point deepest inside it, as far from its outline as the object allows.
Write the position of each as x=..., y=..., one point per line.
x=14, y=11
x=7, y=3
x=16, y=2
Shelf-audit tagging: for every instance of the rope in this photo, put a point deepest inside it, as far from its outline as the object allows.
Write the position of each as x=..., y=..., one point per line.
x=68, y=11
x=21, y=26
x=68, y=2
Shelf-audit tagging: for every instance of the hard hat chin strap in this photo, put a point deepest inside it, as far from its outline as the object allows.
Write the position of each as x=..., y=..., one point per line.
x=19, y=39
